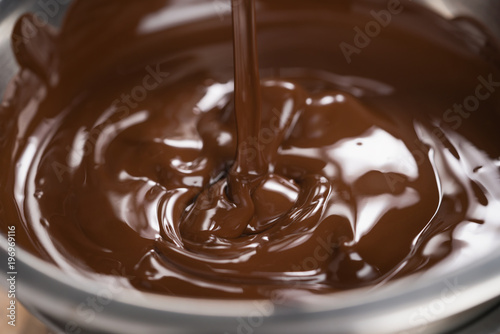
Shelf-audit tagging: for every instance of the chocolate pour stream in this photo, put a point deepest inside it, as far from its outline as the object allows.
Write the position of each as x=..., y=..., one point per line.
x=247, y=98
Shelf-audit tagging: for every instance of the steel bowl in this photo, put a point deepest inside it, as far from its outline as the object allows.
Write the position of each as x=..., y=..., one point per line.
x=415, y=304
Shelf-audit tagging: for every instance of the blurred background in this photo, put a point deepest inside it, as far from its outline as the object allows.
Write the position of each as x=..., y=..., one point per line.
x=25, y=322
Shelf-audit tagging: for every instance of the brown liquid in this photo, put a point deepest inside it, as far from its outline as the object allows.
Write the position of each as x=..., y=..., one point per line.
x=321, y=177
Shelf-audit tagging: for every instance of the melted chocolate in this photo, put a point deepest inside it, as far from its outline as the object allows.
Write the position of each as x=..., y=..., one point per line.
x=127, y=149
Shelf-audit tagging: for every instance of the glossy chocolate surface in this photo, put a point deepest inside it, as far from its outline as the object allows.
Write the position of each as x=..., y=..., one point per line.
x=126, y=150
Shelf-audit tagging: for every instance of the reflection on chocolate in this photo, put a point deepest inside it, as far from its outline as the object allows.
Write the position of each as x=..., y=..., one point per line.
x=126, y=151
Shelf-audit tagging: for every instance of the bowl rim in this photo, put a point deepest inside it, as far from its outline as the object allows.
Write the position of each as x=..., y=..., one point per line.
x=480, y=280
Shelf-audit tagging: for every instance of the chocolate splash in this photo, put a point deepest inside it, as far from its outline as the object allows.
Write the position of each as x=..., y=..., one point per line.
x=126, y=149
